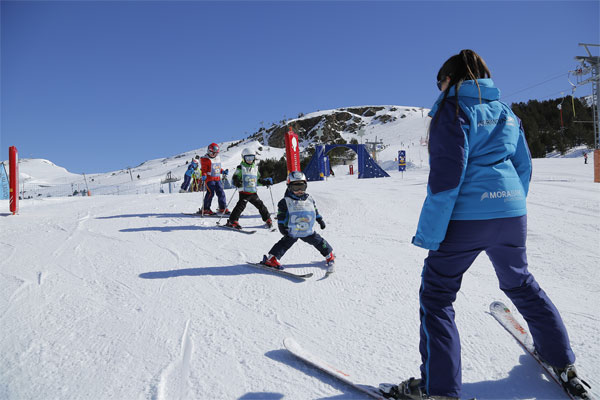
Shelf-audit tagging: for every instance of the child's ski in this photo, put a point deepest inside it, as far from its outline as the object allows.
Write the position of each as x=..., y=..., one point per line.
x=241, y=230
x=280, y=271
x=206, y=215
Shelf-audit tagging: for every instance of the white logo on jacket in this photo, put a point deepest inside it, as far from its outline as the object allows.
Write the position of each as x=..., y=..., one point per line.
x=507, y=195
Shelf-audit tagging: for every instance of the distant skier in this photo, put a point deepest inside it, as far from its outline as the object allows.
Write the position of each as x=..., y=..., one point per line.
x=296, y=215
x=246, y=177
x=225, y=179
x=480, y=169
x=187, y=178
x=585, y=158
x=197, y=184
x=211, y=175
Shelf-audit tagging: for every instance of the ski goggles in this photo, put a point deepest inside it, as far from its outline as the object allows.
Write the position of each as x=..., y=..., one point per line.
x=249, y=159
x=298, y=186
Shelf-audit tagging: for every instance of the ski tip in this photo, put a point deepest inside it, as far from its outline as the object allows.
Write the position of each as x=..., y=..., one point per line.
x=289, y=342
x=498, y=306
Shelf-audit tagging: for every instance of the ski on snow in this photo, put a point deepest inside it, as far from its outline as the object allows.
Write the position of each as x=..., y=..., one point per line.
x=498, y=310
x=503, y=315
x=280, y=271
x=293, y=347
x=215, y=215
x=242, y=230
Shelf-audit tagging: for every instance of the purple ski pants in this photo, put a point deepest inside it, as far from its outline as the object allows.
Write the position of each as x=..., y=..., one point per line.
x=503, y=240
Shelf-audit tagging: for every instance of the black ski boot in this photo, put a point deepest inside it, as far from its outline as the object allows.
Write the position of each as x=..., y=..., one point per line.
x=410, y=389
x=233, y=224
x=571, y=382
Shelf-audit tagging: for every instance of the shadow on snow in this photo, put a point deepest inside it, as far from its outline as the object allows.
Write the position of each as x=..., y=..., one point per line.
x=169, y=215
x=228, y=270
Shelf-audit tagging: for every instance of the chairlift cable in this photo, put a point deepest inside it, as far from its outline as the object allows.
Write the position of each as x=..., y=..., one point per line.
x=537, y=84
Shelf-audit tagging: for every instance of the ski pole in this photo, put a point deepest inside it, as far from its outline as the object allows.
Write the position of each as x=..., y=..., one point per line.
x=202, y=208
x=273, y=202
x=227, y=206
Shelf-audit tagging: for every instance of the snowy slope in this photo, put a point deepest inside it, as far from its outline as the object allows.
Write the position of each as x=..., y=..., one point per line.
x=42, y=172
x=123, y=297
x=41, y=178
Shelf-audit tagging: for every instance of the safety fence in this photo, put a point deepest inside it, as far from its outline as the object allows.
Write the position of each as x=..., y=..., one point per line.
x=33, y=190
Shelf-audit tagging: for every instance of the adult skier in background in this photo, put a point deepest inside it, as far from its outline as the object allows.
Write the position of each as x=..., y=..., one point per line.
x=480, y=169
x=246, y=177
x=296, y=216
x=211, y=175
x=187, y=178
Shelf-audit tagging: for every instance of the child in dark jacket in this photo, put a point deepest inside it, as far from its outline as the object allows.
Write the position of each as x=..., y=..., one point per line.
x=296, y=215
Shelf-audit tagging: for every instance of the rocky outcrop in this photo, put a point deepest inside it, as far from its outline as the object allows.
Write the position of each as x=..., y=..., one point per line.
x=330, y=124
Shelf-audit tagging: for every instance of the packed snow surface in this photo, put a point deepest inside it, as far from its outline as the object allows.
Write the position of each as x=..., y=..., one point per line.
x=124, y=297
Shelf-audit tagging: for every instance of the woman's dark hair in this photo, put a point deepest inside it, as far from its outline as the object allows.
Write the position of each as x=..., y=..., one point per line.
x=466, y=65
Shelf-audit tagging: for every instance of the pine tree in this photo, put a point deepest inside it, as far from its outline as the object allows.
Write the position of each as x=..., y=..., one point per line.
x=543, y=128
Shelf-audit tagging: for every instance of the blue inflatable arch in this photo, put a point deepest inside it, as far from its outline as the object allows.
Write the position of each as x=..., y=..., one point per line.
x=318, y=166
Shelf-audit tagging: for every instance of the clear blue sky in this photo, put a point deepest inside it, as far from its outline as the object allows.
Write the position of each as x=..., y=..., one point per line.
x=96, y=86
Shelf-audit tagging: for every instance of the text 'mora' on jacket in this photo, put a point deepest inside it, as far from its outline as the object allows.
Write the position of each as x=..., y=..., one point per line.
x=480, y=165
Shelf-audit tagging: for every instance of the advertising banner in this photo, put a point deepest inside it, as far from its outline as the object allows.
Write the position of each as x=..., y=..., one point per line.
x=13, y=165
x=292, y=151
x=4, y=190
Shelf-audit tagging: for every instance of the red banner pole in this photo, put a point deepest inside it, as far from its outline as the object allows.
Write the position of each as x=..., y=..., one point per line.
x=292, y=151
x=597, y=165
x=13, y=179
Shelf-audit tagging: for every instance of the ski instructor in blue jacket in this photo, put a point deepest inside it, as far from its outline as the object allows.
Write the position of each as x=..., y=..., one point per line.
x=480, y=168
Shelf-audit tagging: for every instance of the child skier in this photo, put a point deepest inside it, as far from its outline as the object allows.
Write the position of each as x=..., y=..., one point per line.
x=246, y=177
x=197, y=183
x=297, y=213
x=211, y=175
x=188, y=174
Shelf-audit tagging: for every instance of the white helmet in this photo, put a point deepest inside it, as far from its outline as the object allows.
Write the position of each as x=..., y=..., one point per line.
x=248, y=155
x=296, y=176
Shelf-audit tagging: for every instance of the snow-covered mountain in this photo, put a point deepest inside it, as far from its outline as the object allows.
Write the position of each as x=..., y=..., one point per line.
x=396, y=127
x=347, y=124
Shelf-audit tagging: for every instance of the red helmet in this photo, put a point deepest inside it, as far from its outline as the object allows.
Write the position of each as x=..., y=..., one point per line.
x=213, y=149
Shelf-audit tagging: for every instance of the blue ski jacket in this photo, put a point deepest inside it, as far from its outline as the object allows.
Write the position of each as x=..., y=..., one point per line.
x=480, y=165
x=192, y=167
